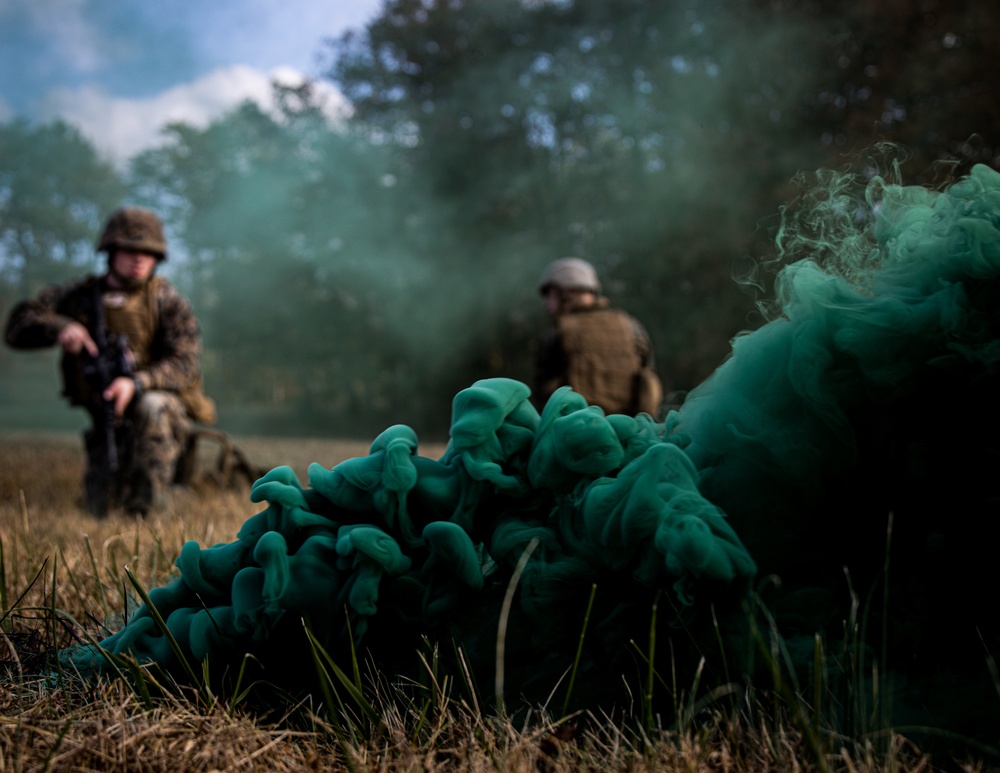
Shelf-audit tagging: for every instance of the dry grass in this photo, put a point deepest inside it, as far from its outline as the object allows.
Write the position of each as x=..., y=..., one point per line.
x=55, y=557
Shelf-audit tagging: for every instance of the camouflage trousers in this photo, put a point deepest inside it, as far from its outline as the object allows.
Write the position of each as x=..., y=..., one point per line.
x=150, y=442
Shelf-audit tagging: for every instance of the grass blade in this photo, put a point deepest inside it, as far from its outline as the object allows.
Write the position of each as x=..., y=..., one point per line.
x=579, y=649
x=3, y=583
x=508, y=600
x=97, y=576
x=175, y=647
x=353, y=690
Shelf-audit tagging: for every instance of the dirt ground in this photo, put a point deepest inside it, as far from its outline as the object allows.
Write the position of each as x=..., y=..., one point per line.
x=299, y=453
x=262, y=452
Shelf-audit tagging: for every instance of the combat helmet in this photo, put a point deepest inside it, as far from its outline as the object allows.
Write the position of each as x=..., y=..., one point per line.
x=570, y=274
x=133, y=228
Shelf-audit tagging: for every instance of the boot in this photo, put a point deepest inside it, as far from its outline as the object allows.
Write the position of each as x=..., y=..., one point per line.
x=96, y=493
x=98, y=486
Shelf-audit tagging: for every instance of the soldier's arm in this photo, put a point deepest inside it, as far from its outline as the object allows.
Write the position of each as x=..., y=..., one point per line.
x=177, y=362
x=36, y=323
x=642, y=344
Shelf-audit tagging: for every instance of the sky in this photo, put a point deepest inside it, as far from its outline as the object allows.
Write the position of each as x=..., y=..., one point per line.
x=120, y=70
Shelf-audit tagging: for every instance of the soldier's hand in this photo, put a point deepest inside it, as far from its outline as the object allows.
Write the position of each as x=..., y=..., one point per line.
x=75, y=337
x=120, y=392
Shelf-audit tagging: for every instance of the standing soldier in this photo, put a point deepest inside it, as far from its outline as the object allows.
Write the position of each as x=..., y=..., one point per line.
x=604, y=354
x=131, y=349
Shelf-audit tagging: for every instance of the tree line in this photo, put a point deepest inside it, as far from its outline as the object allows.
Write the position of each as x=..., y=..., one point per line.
x=355, y=273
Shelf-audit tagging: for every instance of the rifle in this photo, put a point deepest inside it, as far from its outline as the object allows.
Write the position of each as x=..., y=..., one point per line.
x=114, y=358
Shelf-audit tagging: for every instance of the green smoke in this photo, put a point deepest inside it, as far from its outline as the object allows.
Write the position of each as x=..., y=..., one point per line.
x=864, y=398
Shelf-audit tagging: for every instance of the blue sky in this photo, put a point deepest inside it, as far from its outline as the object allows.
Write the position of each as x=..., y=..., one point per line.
x=120, y=69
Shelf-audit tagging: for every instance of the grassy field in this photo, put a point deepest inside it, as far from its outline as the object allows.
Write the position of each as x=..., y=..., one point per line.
x=62, y=571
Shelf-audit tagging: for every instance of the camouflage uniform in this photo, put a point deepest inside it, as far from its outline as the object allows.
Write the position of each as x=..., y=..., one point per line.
x=164, y=337
x=601, y=353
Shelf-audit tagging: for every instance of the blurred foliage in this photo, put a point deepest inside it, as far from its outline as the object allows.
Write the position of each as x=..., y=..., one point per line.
x=352, y=275
x=913, y=72
x=305, y=261
x=55, y=192
x=54, y=195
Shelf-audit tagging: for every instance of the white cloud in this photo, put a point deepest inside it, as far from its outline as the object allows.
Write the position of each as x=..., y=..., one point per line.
x=121, y=127
x=63, y=29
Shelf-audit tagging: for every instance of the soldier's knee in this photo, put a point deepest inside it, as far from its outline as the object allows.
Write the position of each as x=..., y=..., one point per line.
x=157, y=407
x=151, y=404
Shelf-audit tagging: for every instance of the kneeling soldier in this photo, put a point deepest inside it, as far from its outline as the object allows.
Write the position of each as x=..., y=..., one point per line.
x=131, y=350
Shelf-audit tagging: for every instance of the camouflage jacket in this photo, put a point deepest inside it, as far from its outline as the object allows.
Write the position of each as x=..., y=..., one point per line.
x=171, y=359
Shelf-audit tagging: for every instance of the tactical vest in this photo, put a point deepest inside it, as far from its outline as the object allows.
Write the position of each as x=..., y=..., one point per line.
x=136, y=314
x=603, y=361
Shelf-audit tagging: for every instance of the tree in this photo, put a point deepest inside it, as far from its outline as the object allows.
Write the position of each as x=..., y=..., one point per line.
x=656, y=139
x=918, y=74
x=360, y=273
x=612, y=131
x=298, y=255
x=55, y=192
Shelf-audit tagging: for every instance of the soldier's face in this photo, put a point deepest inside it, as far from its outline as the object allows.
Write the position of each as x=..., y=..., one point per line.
x=133, y=268
x=564, y=301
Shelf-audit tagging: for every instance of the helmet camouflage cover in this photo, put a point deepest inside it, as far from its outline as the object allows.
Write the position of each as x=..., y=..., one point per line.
x=133, y=228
